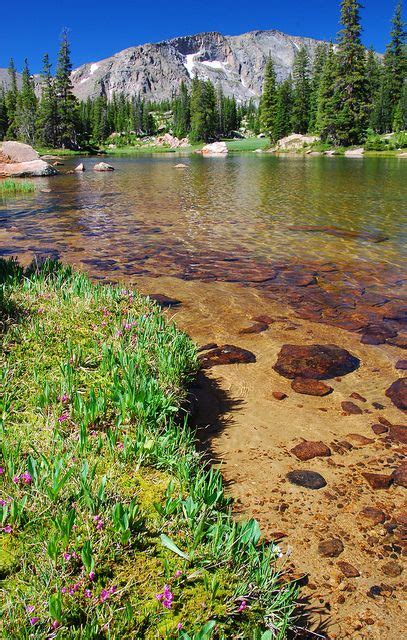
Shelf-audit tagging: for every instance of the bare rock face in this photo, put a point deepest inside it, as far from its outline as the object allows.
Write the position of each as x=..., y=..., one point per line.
x=294, y=142
x=315, y=361
x=308, y=450
x=155, y=70
x=18, y=160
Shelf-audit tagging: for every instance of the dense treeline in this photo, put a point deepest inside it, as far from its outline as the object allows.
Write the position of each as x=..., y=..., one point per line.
x=343, y=94
x=346, y=92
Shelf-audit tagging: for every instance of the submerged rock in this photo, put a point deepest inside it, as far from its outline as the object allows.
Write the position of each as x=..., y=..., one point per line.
x=279, y=395
x=310, y=387
x=80, y=167
x=315, y=361
x=307, y=479
x=331, y=548
x=257, y=327
x=308, y=450
x=376, y=516
x=398, y=433
x=342, y=233
x=400, y=475
x=103, y=166
x=348, y=570
x=397, y=393
x=228, y=354
x=401, y=365
x=164, y=301
x=351, y=408
x=378, y=480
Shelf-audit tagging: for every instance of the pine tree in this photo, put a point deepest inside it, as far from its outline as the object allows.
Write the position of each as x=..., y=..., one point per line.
x=268, y=102
x=395, y=71
x=26, y=110
x=351, y=84
x=302, y=92
x=181, y=112
x=321, y=53
x=373, y=79
x=11, y=100
x=283, y=119
x=326, y=109
x=203, y=111
x=3, y=114
x=67, y=105
x=47, y=120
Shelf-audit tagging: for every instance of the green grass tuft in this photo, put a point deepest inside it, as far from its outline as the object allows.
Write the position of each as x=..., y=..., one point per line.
x=9, y=186
x=110, y=524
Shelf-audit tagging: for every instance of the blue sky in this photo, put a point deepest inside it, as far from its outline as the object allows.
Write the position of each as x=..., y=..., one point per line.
x=100, y=28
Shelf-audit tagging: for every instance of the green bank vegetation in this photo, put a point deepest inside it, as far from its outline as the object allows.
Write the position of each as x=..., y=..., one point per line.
x=111, y=525
x=8, y=186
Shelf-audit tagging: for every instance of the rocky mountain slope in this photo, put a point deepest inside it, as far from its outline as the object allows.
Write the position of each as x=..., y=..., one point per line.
x=155, y=70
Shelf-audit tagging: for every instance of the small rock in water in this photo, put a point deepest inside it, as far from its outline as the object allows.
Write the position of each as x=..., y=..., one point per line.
x=398, y=433
x=378, y=429
x=315, y=361
x=206, y=347
x=399, y=341
x=330, y=548
x=392, y=569
x=80, y=167
x=397, y=393
x=348, y=570
x=378, y=480
x=351, y=408
x=358, y=440
x=378, y=405
x=181, y=166
x=307, y=479
x=357, y=396
x=257, y=327
x=228, y=354
x=377, y=516
x=308, y=450
x=279, y=395
x=263, y=318
x=310, y=387
x=401, y=365
x=400, y=475
x=164, y=301
x=103, y=166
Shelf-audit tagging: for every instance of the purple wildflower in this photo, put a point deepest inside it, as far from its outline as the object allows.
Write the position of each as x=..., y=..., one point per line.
x=178, y=573
x=16, y=479
x=67, y=556
x=104, y=595
x=166, y=597
x=55, y=625
x=8, y=529
x=179, y=626
x=92, y=576
x=63, y=590
x=2, y=503
x=30, y=608
x=26, y=478
x=33, y=621
x=242, y=607
x=63, y=417
x=1, y=470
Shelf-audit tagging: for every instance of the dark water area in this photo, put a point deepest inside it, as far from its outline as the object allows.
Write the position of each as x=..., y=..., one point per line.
x=328, y=234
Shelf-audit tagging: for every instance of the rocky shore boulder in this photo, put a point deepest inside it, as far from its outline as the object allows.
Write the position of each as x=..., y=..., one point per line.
x=215, y=148
x=19, y=160
x=103, y=166
x=294, y=142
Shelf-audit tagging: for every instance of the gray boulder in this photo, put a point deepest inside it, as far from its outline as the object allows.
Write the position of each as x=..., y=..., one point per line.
x=18, y=160
x=103, y=166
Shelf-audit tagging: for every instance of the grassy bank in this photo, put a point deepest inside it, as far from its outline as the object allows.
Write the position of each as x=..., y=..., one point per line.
x=111, y=527
x=49, y=151
x=9, y=186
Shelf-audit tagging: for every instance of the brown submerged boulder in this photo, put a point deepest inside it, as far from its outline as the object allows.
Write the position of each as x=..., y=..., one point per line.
x=310, y=387
x=307, y=479
x=308, y=450
x=316, y=361
x=400, y=475
x=397, y=393
x=228, y=354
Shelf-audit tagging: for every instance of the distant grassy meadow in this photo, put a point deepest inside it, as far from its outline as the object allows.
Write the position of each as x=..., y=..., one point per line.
x=110, y=524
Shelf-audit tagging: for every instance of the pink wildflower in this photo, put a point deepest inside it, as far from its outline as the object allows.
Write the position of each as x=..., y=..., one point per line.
x=67, y=556
x=166, y=597
x=55, y=625
x=242, y=607
x=33, y=621
x=92, y=576
x=178, y=573
x=2, y=503
x=120, y=445
x=1, y=470
x=26, y=478
x=104, y=595
x=63, y=417
x=8, y=528
x=179, y=626
x=30, y=608
x=119, y=333
x=16, y=479
x=63, y=590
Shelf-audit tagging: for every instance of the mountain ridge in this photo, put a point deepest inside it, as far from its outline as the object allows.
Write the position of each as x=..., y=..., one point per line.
x=155, y=70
